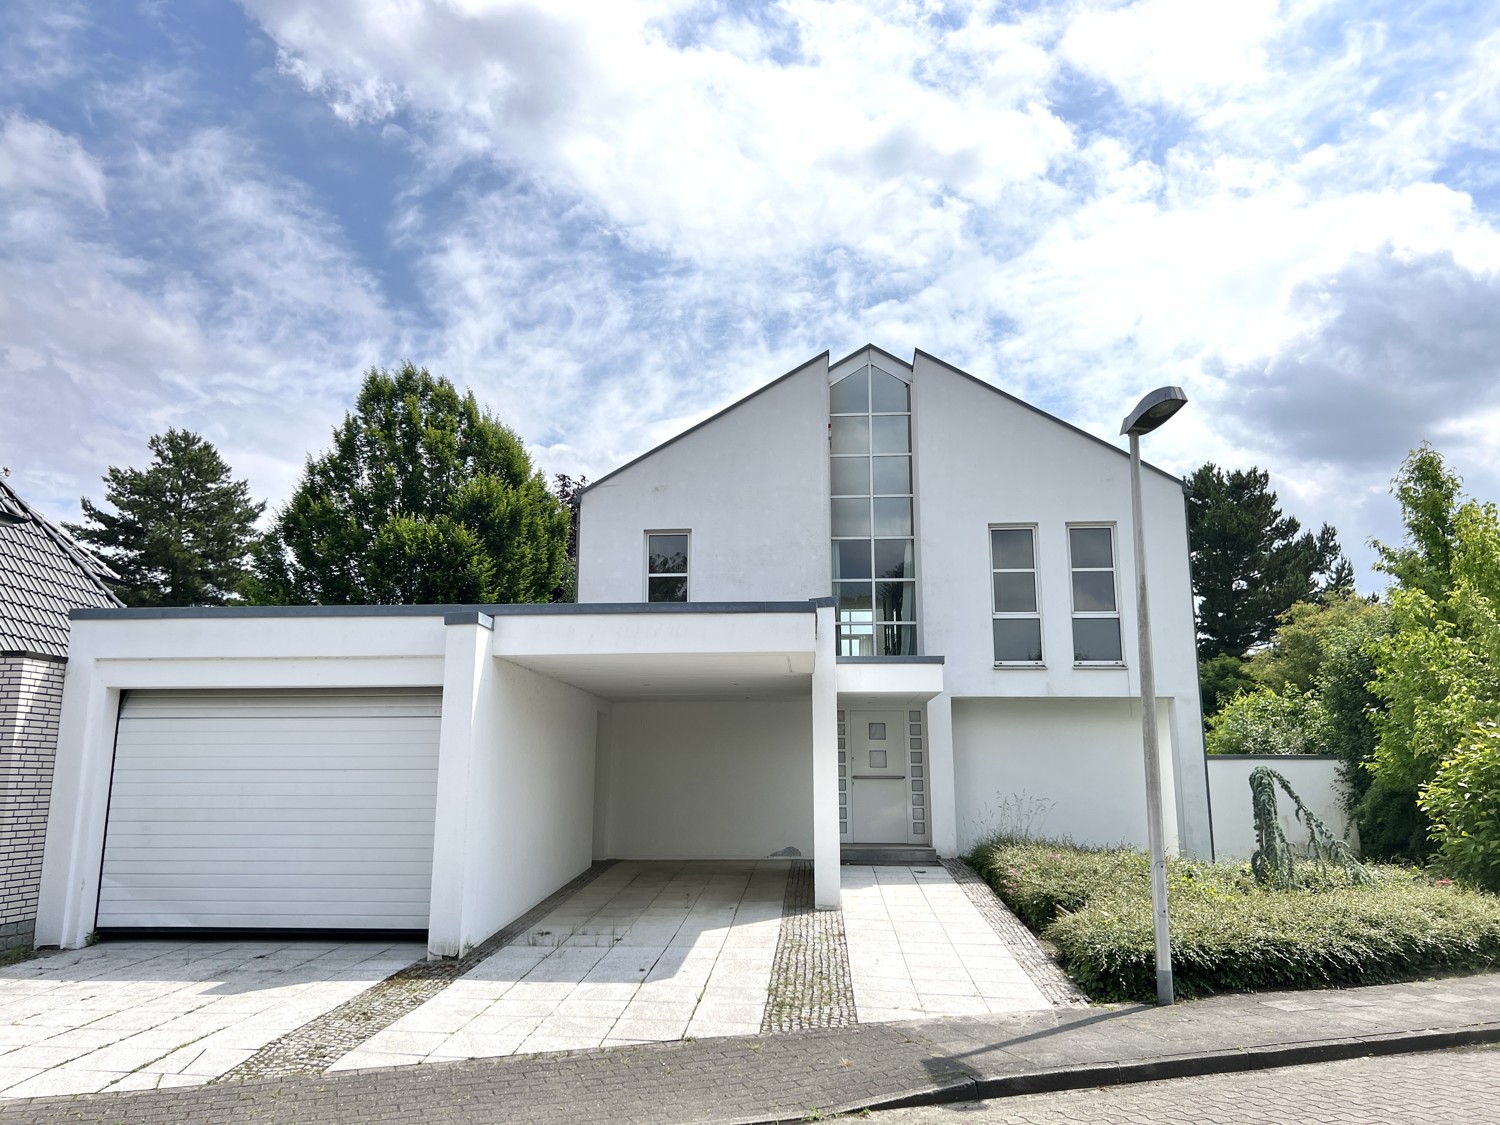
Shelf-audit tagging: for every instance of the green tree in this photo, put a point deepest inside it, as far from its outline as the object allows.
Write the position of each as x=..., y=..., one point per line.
x=423, y=499
x=1250, y=562
x=1263, y=722
x=1220, y=679
x=1463, y=803
x=181, y=530
x=1342, y=684
x=1305, y=636
x=569, y=491
x=1429, y=494
x=1436, y=670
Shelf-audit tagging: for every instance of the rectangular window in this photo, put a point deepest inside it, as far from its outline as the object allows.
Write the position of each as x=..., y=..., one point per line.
x=1096, y=611
x=667, y=566
x=1017, y=620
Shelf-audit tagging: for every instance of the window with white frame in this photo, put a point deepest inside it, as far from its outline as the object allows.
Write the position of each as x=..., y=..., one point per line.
x=1017, y=619
x=1096, y=610
x=667, y=566
x=870, y=475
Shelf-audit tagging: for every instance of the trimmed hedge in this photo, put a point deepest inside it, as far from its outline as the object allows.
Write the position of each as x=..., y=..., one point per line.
x=1228, y=934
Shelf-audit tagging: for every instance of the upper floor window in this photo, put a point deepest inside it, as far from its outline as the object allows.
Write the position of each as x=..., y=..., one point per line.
x=667, y=566
x=1017, y=620
x=1096, y=612
x=870, y=474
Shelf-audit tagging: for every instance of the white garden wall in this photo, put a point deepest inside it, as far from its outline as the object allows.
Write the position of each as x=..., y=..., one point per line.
x=1314, y=778
x=708, y=780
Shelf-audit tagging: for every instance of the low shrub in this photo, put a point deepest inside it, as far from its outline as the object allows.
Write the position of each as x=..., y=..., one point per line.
x=1463, y=802
x=1228, y=934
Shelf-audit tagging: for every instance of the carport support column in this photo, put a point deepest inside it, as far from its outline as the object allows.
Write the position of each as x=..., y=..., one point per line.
x=942, y=791
x=825, y=760
x=467, y=669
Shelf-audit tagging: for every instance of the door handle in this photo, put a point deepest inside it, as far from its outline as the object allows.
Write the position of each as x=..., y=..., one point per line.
x=880, y=777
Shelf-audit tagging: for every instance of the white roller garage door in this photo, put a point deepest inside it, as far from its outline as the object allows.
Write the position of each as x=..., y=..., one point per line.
x=272, y=809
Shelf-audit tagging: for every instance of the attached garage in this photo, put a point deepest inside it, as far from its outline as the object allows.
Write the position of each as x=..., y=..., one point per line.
x=305, y=809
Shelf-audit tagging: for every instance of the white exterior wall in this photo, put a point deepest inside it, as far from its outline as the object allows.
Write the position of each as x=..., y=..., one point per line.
x=710, y=780
x=751, y=485
x=1313, y=778
x=530, y=797
x=983, y=459
x=1063, y=768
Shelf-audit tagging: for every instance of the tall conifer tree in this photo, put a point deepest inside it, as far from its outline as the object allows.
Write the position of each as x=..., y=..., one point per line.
x=181, y=530
x=1250, y=562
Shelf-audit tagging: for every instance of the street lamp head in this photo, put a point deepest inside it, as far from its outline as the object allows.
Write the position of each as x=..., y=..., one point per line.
x=1153, y=410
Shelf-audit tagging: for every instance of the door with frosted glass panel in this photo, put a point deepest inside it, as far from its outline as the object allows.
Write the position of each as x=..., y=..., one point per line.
x=877, y=777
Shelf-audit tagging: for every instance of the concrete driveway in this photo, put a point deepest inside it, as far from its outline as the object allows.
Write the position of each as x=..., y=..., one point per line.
x=140, y=1015
x=640, y=952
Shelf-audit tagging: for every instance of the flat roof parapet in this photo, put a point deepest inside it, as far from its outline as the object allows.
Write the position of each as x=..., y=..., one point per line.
x=557, y=609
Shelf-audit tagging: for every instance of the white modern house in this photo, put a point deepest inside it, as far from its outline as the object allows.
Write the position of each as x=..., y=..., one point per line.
x=876, y=602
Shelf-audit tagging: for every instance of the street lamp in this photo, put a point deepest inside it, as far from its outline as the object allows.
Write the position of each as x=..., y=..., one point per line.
x=1148, y=414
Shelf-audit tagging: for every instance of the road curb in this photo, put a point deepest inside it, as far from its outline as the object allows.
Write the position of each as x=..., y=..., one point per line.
x=978, y=1087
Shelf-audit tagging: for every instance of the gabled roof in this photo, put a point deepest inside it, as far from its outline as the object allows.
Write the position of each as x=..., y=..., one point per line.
x=875, y=348
x=1038, y=410
x=593, y=484
x=44, y=574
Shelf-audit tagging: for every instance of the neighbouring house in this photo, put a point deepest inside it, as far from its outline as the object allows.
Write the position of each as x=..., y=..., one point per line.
x=875, y=602
x=44, y=575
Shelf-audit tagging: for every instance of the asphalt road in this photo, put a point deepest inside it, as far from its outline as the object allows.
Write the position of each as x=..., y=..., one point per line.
x=1451, y=1087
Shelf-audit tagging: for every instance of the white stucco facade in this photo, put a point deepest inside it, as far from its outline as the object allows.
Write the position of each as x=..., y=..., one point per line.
x=754, y=481
x=763, y=459
x=762, y=716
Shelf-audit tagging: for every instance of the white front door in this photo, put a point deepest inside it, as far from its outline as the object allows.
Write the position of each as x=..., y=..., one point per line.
x=878, y=789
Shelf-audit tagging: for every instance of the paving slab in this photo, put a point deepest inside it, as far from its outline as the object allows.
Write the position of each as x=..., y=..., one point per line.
x=790, y=1076
x=628, y=952
x=86, y=1020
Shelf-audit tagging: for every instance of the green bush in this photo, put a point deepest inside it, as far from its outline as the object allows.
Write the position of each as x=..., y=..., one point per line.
x=1262, y=722
x=1463, y=803
x=1228, y=934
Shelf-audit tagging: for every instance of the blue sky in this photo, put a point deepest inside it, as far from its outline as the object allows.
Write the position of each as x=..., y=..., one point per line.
x=611, y=219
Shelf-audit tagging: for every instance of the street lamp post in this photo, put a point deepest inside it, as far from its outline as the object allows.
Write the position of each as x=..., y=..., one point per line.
x=1148, y=414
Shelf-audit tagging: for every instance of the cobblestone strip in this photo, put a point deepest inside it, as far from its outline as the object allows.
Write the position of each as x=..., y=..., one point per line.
x=810, y=981
x=1054, y=984
x=322, y=1041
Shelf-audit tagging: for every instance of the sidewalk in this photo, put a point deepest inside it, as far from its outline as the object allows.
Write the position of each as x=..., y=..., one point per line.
x=787, y=1077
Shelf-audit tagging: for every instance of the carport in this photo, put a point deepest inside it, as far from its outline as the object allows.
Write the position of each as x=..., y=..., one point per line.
x=638, y=732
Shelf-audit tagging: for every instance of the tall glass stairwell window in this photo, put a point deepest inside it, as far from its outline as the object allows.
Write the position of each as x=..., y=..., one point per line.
x=874, y=560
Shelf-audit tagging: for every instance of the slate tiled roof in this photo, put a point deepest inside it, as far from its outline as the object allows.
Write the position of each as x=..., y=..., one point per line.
x=43, y=574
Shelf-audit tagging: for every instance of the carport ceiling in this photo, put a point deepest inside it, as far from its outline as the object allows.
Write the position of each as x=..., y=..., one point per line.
x=695, y=675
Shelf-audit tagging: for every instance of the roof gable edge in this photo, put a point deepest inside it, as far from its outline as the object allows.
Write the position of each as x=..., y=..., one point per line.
x=801, y=367
x=1050, y=417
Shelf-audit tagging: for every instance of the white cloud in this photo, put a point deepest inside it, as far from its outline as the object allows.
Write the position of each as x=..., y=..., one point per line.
x=248, y=322
x=35, y=158
x=717, y=151
x=1185, y=53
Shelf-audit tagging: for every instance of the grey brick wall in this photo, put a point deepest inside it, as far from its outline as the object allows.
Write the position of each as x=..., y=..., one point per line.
x=30, y=705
